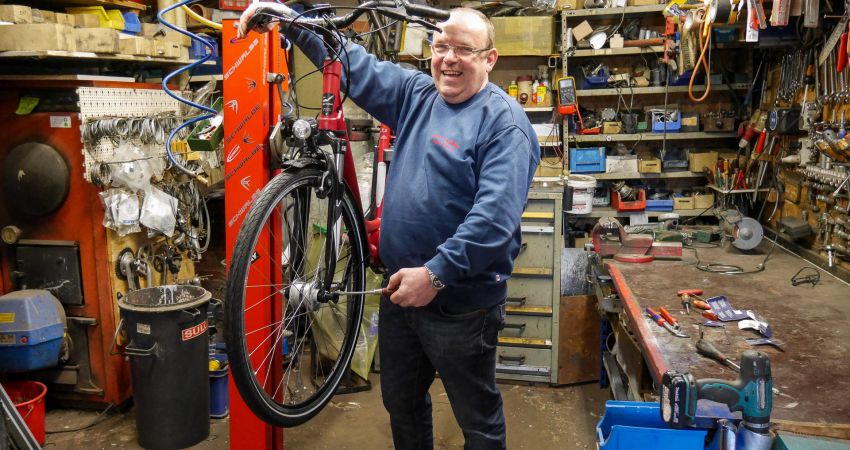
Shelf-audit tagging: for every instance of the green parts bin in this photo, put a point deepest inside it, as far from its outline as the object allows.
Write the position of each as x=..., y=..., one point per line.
x=167, y=343
x=206, y=136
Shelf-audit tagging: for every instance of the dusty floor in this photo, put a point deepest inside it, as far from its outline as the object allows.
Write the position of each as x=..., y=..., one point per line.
x=538, y=417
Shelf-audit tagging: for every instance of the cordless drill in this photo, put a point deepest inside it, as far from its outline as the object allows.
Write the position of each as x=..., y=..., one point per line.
x=751, y=393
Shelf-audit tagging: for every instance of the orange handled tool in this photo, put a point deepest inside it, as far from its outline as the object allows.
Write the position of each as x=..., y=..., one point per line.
x=701, y=305
x=842, y=53
x=710, y=315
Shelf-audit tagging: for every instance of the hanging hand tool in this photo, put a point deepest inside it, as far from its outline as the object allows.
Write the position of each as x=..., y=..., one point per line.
x=708, y=350
x=662, y=322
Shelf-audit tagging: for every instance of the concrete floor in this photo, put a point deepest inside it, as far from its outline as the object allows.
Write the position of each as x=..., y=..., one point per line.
x=538, y=417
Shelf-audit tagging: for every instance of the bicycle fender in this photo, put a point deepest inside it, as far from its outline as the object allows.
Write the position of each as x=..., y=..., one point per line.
x=302, y=163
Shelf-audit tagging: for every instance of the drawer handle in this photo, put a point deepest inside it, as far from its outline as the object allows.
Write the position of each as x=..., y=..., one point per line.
x=520, y=327
x=518, y=360
x=518, y=300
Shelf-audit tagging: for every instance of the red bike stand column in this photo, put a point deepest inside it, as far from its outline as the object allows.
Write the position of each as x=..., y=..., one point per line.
x=250, y=108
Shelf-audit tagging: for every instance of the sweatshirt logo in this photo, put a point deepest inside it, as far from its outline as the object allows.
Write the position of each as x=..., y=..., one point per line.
x=444, y=142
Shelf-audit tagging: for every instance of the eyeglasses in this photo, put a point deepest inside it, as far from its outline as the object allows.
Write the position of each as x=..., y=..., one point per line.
x=461, y=51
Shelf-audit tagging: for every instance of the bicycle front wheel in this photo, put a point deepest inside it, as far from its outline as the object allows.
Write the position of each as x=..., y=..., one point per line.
x=288, y=346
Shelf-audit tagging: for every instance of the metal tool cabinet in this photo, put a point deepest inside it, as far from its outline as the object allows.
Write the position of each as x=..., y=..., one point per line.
x=528, y=345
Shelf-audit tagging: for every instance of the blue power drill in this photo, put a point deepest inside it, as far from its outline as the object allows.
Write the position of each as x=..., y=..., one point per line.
x=751, y=393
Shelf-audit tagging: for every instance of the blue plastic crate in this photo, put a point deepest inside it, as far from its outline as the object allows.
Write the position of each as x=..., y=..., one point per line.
x=198, y=50
x=659, y=205
x=587, y=160
x=132, y=24
x=672, y=126
x=638, y=425
x=596, y=82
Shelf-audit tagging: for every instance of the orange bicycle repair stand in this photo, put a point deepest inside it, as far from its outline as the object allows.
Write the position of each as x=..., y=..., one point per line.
x=251, y=107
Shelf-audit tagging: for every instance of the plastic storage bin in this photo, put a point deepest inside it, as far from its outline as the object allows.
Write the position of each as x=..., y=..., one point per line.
x=596, y=82
x=659, y=205
x=132, y=24
x=638, y=425
x=673, y=126
x=587, y=160
x=634, y=205
x=28, y=397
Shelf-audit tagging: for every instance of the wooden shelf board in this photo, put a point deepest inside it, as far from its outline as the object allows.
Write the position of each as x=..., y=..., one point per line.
x=649, y=137
x=648, y=90
x=647, y=176
x=612, y=12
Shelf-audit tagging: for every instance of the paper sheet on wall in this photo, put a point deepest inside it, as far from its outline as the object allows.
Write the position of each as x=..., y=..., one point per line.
x=752, y=35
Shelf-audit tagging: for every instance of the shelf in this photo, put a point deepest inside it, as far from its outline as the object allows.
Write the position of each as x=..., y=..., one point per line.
x=735, y=191
x=648, y=90
x=617, y=51
x=125, y=4
x=649, y=137
x=60, y=54
x=605, y=211
x=647, y=176
x=550, y=143
x=538, y=109
x=613, y=12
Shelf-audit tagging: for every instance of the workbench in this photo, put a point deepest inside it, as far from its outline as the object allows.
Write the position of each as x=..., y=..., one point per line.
x=812, y=374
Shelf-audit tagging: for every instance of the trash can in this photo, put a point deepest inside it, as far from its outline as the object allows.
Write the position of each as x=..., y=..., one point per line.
x=167, y=345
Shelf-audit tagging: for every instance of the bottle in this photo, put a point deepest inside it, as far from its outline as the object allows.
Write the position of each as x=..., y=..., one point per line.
x=534, y=88
x=513, y=89
x=544, y=97
x=524, y=86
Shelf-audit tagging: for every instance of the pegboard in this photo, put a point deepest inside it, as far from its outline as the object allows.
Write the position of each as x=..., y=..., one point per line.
x=98, y=103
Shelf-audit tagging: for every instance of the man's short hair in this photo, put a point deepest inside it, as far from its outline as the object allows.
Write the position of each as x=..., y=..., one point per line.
x=491, y=33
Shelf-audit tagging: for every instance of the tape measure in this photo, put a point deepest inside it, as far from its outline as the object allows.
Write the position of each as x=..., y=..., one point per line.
x=834, y=36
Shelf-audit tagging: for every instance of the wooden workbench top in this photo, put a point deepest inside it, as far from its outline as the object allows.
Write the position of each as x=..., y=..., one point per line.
x=812, y=374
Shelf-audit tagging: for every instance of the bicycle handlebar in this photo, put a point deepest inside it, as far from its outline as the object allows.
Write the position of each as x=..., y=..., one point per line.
x=264, y=15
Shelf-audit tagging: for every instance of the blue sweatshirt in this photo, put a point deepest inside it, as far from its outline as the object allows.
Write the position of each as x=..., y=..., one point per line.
x=458, y=181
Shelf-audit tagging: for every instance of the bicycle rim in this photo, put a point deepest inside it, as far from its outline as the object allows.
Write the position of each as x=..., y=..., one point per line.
x=288, y=351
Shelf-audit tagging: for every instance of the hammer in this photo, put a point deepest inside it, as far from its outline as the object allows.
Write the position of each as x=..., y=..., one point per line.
x=698, y=302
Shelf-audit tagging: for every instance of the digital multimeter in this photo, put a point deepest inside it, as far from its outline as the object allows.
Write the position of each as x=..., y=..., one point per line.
x=567, y=102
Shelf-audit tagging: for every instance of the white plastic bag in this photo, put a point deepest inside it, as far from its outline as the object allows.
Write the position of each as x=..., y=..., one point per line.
x=120, y=211
x=159, y=211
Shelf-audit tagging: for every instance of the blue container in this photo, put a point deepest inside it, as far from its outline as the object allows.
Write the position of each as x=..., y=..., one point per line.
x=198, y=50
x=638, y=425
x=659, y=205
x=219, y=399
x=132, y=24
x=596, y=82
x=587, y=160
x=32, y=324
x=672, y=126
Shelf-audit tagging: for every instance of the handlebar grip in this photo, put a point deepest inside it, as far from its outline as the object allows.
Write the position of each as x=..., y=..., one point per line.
x=427, y=11
x=260, y=19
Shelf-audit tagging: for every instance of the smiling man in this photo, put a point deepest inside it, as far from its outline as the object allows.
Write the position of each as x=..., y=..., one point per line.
x=464, y=159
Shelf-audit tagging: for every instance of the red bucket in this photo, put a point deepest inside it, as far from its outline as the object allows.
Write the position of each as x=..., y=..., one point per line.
x=28, y=397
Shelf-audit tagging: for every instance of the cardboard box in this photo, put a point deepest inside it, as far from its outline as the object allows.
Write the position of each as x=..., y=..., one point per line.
x=550, y=167
x=698, y=161
x=139, y=46
x=86, y=20
x=15, y=14
x=167, y=49
x=65, y=19
x=652, y=165
x=97, y=40
x=683, y=203
x=621, y=164
x=37, y=36
x=149, y=29
x=568, y=4
x=582, y=31
x=526, y=35
x=42, y=16
x=703, y=200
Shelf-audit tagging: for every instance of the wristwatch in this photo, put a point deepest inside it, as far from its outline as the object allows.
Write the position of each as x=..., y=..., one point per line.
x=435, y=282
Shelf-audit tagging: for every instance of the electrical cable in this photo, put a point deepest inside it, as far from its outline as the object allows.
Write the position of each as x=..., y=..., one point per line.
x=209, y=112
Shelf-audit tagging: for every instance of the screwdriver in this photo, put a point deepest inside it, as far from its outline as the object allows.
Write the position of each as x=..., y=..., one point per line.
x=708, y=350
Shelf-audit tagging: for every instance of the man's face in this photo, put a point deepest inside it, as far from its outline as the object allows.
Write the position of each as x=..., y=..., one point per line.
x=459, y=77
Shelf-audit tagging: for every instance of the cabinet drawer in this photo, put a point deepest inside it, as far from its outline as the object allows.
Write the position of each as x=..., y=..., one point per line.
x=537, y=242
x=538, y=209
x=527, y=327
x=535, y=291
x=524, y=361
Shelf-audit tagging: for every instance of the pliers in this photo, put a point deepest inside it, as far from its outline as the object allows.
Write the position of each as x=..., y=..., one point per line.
x=666, y=321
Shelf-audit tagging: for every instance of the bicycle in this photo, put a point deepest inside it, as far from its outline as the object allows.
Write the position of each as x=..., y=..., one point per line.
x=288, y=370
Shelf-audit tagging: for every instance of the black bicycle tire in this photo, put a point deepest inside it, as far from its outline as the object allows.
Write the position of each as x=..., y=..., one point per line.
x=257, y=400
